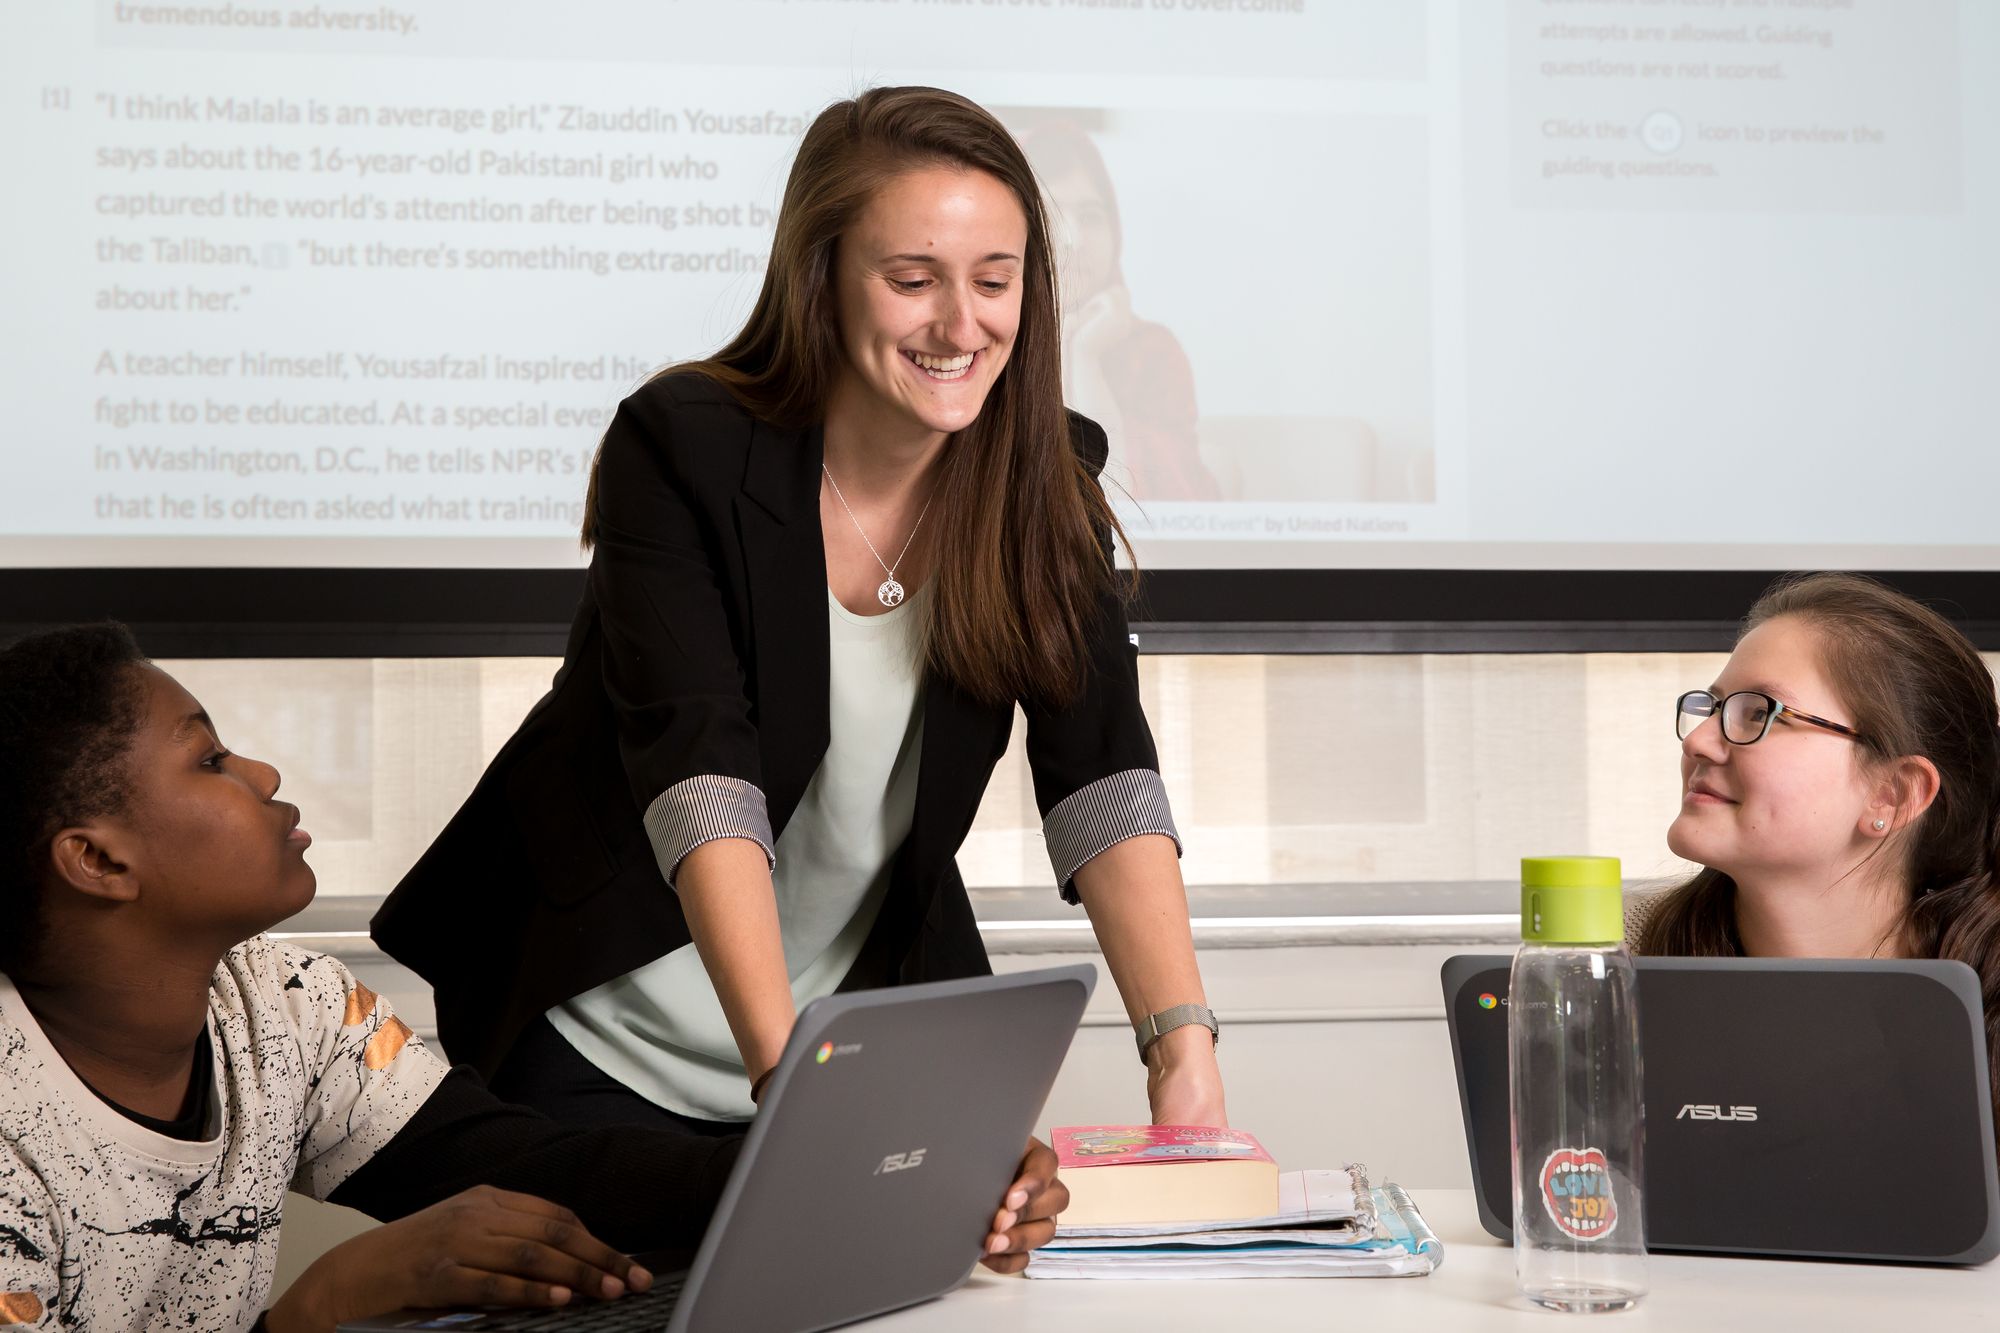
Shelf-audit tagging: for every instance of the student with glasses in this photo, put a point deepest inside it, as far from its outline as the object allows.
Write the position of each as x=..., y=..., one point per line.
x=1840, y=789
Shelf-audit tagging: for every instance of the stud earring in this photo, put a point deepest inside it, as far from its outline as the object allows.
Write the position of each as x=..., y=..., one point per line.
x=1881, y=824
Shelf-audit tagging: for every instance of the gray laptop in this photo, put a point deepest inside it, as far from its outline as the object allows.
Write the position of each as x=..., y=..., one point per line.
x=882, y=1148
x=1809, y=1107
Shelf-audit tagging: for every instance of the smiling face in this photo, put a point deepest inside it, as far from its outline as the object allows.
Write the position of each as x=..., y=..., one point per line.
x=209, y=848
x=1797, y=803
x=928, y=285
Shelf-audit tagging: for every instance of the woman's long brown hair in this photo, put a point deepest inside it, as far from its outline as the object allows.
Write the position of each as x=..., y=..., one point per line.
x=1913, y=685
x=1024, y=534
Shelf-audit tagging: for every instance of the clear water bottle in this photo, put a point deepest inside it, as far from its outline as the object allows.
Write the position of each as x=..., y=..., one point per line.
x=1573, y=1071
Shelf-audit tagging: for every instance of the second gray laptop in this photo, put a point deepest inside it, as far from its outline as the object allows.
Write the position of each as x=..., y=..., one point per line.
x=883, y=1145
x=1812, y=1107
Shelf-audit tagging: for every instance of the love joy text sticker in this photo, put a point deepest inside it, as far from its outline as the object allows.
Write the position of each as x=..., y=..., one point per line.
x=1576, y=1189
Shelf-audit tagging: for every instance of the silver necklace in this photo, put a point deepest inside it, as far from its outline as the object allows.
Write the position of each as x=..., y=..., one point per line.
x=891, y=592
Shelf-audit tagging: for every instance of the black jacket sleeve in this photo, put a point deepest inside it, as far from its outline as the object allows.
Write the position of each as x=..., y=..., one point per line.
x=634, y=1188
x=670, y=674
x=1095, y=768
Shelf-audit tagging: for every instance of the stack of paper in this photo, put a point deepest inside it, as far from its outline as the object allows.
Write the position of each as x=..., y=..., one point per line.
x=1328, y=1224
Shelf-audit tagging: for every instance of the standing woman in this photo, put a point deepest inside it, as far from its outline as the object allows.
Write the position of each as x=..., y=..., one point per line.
x=827, y=562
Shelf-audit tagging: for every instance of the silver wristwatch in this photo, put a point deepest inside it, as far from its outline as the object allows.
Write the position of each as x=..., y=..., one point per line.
x=1155, y=1026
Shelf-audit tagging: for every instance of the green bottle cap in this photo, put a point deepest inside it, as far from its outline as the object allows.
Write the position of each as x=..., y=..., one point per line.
x=1571, y=900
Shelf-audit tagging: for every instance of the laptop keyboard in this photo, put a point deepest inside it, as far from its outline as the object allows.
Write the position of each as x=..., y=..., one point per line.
x=644, y=1312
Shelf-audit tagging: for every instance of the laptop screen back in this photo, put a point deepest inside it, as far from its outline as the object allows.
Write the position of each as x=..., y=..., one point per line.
x=885, y=1143
x=1793, y=1106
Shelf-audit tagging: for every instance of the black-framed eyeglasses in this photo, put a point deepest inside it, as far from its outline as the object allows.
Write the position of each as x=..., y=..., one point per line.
x=1746, y=715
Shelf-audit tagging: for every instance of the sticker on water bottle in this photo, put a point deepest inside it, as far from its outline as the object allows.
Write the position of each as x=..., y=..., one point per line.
x=1577, y=1191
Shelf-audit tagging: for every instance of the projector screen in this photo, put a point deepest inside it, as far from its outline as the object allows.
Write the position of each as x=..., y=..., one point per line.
x=1546, y=284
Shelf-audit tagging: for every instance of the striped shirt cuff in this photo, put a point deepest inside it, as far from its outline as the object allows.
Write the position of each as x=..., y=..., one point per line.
x=701, y=809
x=1108, y=811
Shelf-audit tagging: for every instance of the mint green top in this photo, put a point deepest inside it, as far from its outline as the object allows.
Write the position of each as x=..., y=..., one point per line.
x=660, y=1030
x=1571, y=900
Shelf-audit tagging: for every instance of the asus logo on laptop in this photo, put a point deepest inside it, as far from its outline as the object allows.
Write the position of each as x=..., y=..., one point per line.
x=1695, y=1112
x=901, y=1161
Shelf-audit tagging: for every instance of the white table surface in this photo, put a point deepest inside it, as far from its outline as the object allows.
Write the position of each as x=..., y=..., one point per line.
x=1474, y=1290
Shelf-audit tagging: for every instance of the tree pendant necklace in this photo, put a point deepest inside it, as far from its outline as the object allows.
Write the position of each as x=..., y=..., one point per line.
x=890, y=593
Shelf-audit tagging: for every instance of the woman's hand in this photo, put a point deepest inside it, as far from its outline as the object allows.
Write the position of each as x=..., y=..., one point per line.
x=1027, y=1216
x=482, y=1247
x=1183, y=1081
x=1094, y=333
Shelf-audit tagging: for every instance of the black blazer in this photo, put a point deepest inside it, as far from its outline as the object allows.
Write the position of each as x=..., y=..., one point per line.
x=700, y=650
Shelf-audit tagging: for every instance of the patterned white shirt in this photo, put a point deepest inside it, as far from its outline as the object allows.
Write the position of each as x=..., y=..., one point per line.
x=106, y=1224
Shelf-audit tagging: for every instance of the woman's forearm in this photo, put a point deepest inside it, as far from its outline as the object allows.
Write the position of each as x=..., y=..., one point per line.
x=1138, y=907
x=732, y=913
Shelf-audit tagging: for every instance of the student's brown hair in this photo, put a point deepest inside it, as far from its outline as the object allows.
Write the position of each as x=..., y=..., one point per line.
x=1913, y=685
x=1023, y=534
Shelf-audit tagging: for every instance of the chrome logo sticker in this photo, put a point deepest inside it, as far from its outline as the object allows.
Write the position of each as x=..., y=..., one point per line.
x=1577, y=1190
x=825, y=1052
x=1488, y=1000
